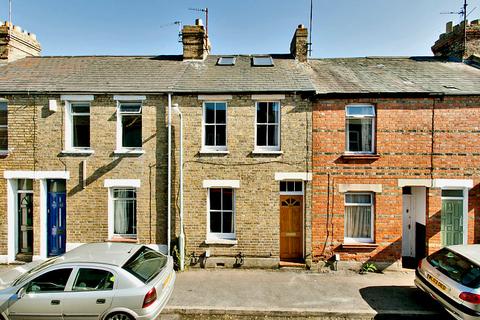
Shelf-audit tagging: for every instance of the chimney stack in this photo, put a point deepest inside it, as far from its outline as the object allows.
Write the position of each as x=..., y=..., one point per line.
x=196, y=45
x=451, y=43
x=299, y=44
x=17, y=44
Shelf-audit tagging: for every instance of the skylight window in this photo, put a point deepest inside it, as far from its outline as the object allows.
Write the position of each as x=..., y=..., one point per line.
x=226, y=61
x=265, y=61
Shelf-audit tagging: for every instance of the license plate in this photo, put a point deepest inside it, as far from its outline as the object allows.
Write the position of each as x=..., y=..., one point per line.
x=436, y=282
x=167, y=280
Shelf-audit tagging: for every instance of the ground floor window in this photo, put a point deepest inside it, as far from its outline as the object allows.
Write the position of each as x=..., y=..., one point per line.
x=125, y=212
x=358, y=217
x=221, y=213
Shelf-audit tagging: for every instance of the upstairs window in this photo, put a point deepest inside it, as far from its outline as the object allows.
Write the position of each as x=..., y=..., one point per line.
x=3, y=126
x=215, y=126
x=360, y=128
x=129, y=125
x=80, y=121
x=268, y=126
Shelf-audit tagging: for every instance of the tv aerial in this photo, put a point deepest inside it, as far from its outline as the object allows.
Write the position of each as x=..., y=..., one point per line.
x=463, y=13
x=179, y=24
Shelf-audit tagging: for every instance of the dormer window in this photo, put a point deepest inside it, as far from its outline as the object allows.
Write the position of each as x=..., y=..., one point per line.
x=262, y=61
x=226, y=61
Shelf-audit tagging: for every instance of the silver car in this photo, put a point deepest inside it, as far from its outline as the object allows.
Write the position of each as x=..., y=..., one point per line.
x=108, y=281
x=452, y=276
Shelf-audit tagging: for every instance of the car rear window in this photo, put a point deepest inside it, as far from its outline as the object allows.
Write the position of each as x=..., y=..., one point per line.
x=146, y=264
x=456, y=267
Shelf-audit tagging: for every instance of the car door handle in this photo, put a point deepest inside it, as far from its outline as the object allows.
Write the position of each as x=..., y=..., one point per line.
x=55, y=302
x=100, y=301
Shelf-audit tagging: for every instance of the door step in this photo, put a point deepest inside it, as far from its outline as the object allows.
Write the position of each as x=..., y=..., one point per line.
x=292, y=265
x=24, y=257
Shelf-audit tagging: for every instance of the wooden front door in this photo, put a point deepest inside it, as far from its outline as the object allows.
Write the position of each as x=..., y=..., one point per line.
x=291, y=227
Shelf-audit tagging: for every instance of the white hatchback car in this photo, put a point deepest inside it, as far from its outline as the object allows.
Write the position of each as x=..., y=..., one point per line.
x=452, y=276
x=107, y=281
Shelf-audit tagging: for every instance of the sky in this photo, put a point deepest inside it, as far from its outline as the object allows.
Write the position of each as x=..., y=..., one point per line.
x=341, y=28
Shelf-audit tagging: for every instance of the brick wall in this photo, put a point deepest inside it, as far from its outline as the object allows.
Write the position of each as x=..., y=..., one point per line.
x=36, y=141
x=257, y=199
x=406, y=151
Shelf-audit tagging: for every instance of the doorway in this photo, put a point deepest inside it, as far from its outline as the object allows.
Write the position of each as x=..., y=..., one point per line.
x=452, y=226
x=291, y=221
x=413, y=225
x=25, y=220
x=56, y=217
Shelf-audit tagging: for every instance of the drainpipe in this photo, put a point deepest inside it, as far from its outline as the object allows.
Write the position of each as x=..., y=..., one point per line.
x=181, y=237
x=169, y=174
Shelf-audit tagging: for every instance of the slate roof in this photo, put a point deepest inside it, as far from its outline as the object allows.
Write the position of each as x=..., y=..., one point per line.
x=161, y=74
x=148, y=74
x=394, y=75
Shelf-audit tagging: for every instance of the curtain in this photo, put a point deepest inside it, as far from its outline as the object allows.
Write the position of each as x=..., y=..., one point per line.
x=358, y=221
x=366, y=135
x=120, y=219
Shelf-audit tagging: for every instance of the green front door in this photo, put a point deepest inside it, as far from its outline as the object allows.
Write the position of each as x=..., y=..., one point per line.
x=452, y=222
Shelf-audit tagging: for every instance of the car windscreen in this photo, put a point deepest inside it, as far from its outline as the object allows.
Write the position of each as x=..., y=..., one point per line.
x=146, y=264
x=456, y=267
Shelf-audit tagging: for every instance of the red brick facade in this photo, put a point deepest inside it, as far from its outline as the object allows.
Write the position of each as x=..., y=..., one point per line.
x=405, y=148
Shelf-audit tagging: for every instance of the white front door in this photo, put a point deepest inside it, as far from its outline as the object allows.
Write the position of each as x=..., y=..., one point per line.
x=408, y=235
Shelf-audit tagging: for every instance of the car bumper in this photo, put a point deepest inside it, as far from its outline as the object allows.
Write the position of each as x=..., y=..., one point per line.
x=459, y=311
x=166, y=294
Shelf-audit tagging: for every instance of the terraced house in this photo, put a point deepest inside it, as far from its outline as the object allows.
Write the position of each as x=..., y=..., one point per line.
x=86, y=153
x=395, y=153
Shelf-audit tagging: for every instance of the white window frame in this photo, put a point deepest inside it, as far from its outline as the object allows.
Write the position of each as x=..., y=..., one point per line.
x=3, y=126
x=69, y=114
x=120, y=148
x=212, y=236
x=349, y=240
x=214, y=148
x=279, y=123
x=118, y=184
x=111, y=213
x=347, y=135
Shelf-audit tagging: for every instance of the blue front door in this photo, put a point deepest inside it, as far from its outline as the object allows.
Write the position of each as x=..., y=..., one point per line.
x=56, y=223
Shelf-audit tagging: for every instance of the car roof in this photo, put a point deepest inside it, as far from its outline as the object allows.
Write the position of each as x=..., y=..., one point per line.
x=470, y=251
x=101, y=253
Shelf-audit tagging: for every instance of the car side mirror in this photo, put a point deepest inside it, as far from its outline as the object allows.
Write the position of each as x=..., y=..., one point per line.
x=21, y=292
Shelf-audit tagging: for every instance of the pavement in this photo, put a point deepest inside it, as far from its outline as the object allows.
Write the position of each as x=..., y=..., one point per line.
x=272, y=294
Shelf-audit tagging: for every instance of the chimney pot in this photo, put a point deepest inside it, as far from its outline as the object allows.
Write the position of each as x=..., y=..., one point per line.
x=17, y=28
x=301, y=26
x=198, y=22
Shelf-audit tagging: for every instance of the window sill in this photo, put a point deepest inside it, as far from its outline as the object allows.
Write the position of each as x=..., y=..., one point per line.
x=221, y=241
x=78, y=152
x=207, y=151
x=128, y=151
x=126, y=240
x=359, y=245
x=360, y=156
x=262, y=151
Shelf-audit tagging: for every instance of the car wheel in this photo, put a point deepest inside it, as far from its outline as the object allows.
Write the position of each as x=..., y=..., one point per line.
x=119, y=316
